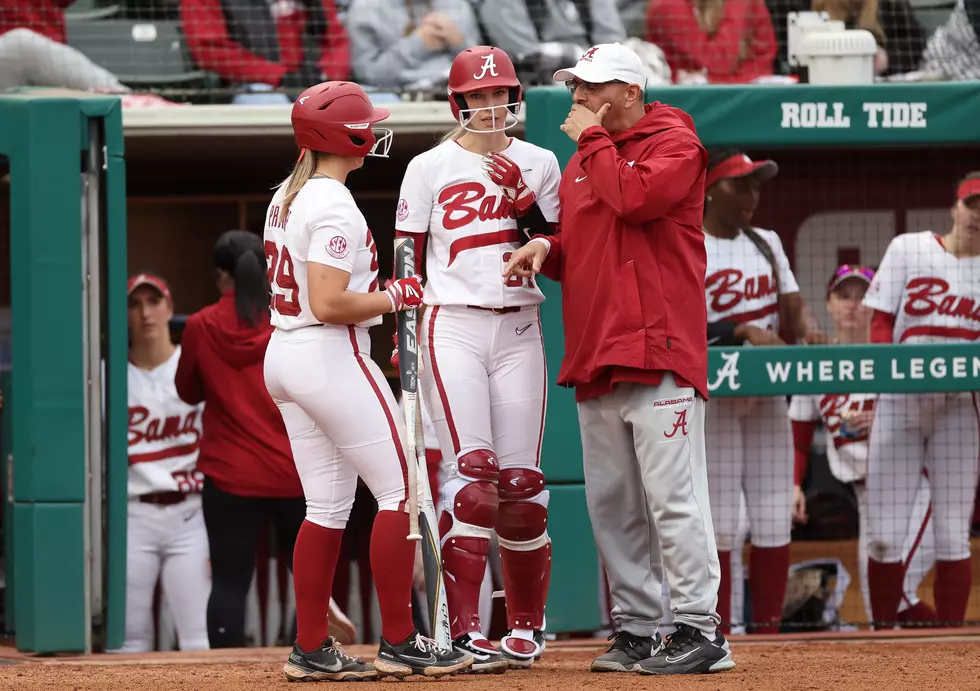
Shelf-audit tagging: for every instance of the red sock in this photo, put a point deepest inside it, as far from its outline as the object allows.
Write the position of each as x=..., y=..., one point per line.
x=724, y=608
x=392, y=564
x=314, y=562
x=919, y=614
x=885, y=583
x=952, y=589
x=768, y=573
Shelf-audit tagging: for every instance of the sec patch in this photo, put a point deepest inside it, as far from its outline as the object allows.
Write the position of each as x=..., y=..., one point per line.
x=401, y=213
x=337, y=247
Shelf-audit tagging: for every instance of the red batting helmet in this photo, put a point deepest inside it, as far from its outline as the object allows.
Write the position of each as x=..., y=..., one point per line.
x=336, y=118
x=482, y=67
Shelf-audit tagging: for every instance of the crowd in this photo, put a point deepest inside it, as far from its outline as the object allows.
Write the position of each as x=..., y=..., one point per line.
x=397, y=46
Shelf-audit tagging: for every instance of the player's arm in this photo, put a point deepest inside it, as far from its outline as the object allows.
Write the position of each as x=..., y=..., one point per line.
x=639, y=191
x=414, y=210
x=187, y=378
x=332, y=303
x=803, y=414
x=887, y=289
x=882, y=327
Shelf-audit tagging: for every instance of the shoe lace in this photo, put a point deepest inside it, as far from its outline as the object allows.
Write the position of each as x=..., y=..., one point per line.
x=425, y=645
x=621, y=640
x=678, y=641
x=341, y=653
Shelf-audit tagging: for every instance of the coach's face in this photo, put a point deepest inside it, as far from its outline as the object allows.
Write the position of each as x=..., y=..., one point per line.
x=619, y=95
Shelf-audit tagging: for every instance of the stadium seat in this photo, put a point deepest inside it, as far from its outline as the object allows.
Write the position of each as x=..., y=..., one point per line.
x=141, y=54
x=931, y=14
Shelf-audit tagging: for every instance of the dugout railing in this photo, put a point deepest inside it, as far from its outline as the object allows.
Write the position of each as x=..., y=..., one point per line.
x=858, y=165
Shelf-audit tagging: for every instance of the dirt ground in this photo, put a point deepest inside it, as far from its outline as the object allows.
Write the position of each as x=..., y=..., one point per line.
x=883, y=664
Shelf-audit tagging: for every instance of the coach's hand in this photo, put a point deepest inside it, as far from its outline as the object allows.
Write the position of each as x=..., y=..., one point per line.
x=581, y=118
x=405, y=293
x=507, y=176
x=527, y=260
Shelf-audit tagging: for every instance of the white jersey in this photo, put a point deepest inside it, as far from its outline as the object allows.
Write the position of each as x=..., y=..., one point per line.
x=740, y=284
x=164, y=432
x=847, y=451
x=934, y=296
x=472, y=229
x=325, y=227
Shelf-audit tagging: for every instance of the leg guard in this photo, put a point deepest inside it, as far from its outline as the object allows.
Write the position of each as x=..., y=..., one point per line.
x=466, y=524
x=525, y=548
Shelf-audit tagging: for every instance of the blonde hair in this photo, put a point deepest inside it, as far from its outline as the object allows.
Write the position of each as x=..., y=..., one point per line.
x=302, y=172
x=709, y=13
x=453, y=134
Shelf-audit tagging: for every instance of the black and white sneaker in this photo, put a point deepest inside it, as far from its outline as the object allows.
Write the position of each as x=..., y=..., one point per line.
x=687, y=651
x=419, y=655
x=486, y=658
x=329, y=662
x=626, y=651
x=521, y=652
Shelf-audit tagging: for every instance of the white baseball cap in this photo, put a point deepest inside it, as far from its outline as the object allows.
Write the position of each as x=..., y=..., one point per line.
x=607, y=62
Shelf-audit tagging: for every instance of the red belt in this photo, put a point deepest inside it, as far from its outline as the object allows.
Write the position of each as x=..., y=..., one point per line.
x=497, y=310
x=163, y=498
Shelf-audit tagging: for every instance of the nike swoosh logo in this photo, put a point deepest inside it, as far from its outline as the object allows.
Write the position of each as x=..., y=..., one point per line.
x=581, y=178
x=430, y=660
x=526, y=170
x=672, y=660
x=521, y=329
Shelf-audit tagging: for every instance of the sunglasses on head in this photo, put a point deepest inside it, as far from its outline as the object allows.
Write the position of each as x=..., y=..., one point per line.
x=845, y=269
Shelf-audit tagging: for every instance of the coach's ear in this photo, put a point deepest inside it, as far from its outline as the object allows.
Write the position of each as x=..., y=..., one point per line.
x=634, y=93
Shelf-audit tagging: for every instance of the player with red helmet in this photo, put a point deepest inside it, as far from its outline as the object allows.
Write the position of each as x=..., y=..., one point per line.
x=323, y=270
x=477, y=196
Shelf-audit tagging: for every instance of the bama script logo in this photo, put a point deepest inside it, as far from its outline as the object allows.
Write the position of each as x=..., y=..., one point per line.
x=727, y=372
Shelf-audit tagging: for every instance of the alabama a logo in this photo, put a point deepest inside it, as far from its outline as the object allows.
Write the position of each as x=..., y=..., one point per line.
x=488, y=67
x=728, y=371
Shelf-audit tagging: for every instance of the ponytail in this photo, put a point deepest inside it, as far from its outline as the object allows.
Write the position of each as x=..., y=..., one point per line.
x=302, y=172
x=241, y=255
x=453, y=134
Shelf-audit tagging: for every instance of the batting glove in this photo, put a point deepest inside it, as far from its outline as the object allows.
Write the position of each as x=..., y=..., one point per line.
x=507, y=175
x=405, y=293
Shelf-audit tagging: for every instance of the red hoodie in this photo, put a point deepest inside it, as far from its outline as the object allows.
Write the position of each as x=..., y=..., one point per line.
x=46, y=17
x=630, y=256
x=244, y=445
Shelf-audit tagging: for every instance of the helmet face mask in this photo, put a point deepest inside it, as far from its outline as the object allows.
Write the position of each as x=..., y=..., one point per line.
x=382, y=143
x=484, y=68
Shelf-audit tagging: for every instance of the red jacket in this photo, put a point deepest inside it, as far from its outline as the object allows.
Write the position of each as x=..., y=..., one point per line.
x=213, y=48
x=244, y=445
x=745, y=27
x=46, y=17
x=630, y=253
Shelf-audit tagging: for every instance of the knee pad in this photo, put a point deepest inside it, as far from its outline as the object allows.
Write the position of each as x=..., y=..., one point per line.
x=522, y=519
x=470, y=500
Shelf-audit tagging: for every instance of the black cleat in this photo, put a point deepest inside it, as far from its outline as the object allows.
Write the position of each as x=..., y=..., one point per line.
x=329, y=662
x=419, y=655
x=687, y=651
x=626, y=651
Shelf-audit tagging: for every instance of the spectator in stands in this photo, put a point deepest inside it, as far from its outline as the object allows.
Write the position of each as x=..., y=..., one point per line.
x=33, y=50
x=751, y=293
x=260, y=45
x=893, y=24
x=542, y=36
x=409, y=44
x=250, y=478
x=953, y=52
x=718, y=41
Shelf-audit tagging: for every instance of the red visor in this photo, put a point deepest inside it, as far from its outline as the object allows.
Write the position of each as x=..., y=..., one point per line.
x=738, y=166
x=148, y=280
x=970, y=188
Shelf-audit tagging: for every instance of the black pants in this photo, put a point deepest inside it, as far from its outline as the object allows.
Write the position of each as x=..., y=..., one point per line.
x=234, y=526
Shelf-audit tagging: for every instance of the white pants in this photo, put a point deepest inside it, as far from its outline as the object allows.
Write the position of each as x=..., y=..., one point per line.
x=937, y=432
x=750, y=450
x=168, y=543
x=341, y=417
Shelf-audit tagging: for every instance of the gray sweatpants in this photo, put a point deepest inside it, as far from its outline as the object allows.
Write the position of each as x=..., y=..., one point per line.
x=646, y=488
x=30, y=59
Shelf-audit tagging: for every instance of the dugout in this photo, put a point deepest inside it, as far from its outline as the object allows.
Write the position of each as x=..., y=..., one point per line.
x=858, y=165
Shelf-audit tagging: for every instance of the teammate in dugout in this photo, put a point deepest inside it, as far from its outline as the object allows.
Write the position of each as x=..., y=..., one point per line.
x=166, y=536
x=629, y=253
x=484, y=377
x=847, y=421
x=323, y=269
x=927, y=290
x=750, y=292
